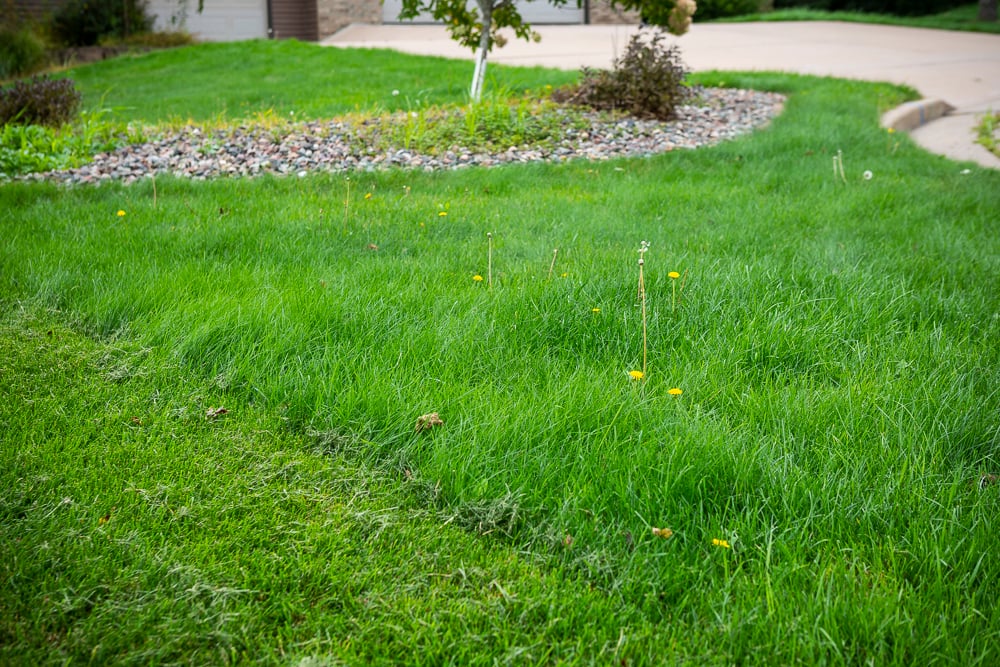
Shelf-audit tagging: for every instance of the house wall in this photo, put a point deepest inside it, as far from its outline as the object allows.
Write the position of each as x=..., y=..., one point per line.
x=222, y=20
x=337, y=14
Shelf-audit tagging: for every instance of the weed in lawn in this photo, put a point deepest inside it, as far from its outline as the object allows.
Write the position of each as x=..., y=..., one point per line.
x=643, y=249
x=988, y=132
x=673, y=275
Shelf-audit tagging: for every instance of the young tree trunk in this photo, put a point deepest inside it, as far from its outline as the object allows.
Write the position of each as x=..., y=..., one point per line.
x=987, y=10
x=486, y=9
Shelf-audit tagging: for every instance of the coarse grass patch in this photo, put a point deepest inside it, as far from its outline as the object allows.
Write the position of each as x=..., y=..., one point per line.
x=136, y=529
x=827, y=473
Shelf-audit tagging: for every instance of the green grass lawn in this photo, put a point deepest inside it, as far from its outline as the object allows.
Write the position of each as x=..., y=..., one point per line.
x=828, y=473
x=958, y=18
x=283, y=79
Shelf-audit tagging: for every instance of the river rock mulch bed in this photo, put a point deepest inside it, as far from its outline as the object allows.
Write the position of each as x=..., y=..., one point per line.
x=339, y=146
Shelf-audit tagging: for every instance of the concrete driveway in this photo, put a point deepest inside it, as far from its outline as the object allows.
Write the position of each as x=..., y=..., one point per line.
x=961, y=69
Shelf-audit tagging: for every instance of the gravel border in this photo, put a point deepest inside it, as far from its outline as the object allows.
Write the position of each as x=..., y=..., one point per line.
x=334, y=146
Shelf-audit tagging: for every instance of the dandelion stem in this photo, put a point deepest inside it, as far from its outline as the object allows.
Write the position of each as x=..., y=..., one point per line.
x=642, y=298
x=838, y=166
x=347, y=204
x=643, y=248
x=552, y=266
x=489, y=259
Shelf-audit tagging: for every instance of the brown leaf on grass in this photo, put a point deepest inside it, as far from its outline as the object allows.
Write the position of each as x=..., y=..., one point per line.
x=215, y=413
x=665, y=533
x=428, y=421
x=568, y=541
x=372, y=246
x=136, y=421
x=987, y=480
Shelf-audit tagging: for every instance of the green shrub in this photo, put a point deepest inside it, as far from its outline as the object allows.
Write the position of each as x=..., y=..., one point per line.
x=21, y=52
x=893, y=7
x=647, y=80
x=88, y=22
x=40, y=101
x=717, y=9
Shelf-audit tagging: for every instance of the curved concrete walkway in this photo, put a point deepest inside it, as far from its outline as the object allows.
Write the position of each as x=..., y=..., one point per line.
x=957, y=73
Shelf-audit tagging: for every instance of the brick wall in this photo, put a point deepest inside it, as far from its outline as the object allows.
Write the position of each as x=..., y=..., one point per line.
x=336, y=14
x=601, y=13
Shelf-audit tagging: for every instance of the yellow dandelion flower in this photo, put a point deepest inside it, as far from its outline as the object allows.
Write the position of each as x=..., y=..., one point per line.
x=368, y=195
x=121, y=213
x=676, y=391
x=595, y=310
x=563, y=275
x=721, y=543
x=441, y=214
x=674, y=275
x=478, y=278
x=636, y=375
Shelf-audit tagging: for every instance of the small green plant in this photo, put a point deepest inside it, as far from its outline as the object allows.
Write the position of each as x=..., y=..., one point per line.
x=34, y=148
x=39, y=101
x=988, y=132
x=648, y=80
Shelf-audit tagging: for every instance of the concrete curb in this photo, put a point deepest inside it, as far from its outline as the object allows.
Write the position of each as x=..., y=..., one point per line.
x=910, y=116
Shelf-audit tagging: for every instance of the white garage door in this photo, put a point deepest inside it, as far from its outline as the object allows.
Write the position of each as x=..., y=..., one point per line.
x=534, y=12
x=221, y=21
